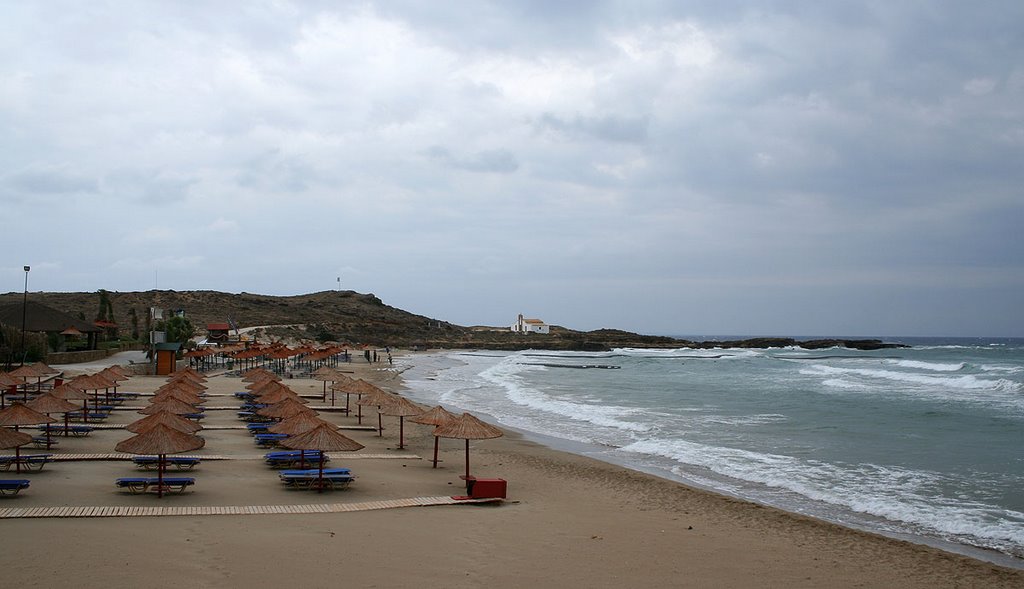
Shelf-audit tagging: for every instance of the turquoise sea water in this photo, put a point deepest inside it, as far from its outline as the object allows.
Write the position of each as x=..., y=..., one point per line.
x=925, y=443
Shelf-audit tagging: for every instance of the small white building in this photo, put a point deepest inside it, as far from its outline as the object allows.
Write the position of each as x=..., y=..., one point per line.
x=530, y=326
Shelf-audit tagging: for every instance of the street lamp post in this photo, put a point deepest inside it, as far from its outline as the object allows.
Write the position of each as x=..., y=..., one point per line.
x=24, y=311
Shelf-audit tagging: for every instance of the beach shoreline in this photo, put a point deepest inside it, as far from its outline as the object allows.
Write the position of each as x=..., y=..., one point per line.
x=570, y=520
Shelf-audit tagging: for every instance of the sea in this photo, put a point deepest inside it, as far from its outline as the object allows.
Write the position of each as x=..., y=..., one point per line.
x=924, y=443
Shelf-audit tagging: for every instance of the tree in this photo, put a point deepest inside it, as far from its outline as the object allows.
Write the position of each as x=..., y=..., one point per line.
x=178, y=329
x=134, y=318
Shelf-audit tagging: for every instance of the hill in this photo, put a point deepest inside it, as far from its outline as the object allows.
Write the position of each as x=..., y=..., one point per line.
x=354, y=318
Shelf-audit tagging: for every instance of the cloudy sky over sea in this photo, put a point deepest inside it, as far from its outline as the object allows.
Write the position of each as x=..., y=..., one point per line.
x=764, y=168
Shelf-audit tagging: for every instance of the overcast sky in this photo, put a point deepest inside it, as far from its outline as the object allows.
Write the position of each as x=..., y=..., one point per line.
x=720, y=167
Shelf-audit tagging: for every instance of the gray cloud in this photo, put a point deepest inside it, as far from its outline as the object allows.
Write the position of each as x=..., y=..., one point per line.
x=498, y=161
x=586, y=162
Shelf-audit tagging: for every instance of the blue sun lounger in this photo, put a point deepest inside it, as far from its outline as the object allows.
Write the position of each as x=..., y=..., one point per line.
x=179, y=462
x=312, y=472
x=137, y=485
x=74, y=430
x=41, y=441
x=28, y=461
x=312, y=480
x=257, y=428
x=269, y=440
x=13, y=487
x=292, y=458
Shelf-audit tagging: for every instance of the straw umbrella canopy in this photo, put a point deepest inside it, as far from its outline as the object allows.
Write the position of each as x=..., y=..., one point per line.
x=377, y=398
x=69, y=392
x=467, y=427
x=166, y=418
x=258, y=374
x=93, y=382
x=359, y=387
x=26, y=372
x=43, y=369
x=161, y=440
x=112, y=374
x=326, y=373
x=8, y=382
x=339, y=385
x=284, y=409
x=182, y=385
x=173, y=405
x=118, y=369
x=177, y=394
x=14, y=439
x=299, y=423
x=435, y=417
x=325, y=438
x=401, y=407
x=18, y=414
x=48, y=404
x=262, y=386
x=276, y=395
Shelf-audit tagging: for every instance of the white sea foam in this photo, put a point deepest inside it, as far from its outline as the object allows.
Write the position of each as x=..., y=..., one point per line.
x=713, y=353
x=967, y=381
x=935, y=366
x=889, y=492
x=506, y=373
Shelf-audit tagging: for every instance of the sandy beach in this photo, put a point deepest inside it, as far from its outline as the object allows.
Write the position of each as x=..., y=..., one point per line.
x=570, y=522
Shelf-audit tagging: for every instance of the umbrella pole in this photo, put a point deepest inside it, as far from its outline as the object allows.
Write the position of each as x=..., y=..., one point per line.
x=17, y=458
x=435, y=450
x=325, y=392
x=320, y=487
x=67, y=427
x=302, y=458
x=160, y=475
x=401, y=432
x=47, y=434
x=360, y=412
x=467, y=459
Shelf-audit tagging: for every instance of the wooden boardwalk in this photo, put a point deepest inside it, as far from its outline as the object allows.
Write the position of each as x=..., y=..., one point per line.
x=163, y=511
x=338, y=455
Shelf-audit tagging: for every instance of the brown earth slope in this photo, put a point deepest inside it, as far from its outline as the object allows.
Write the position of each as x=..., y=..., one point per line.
x=351, y=317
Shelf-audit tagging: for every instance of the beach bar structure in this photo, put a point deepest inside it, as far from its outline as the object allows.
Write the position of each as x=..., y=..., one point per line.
x=166, y=357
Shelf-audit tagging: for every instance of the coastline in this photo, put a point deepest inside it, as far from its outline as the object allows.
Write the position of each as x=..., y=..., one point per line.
x=571, y=520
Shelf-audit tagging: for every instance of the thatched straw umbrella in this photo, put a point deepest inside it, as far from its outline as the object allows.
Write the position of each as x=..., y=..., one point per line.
x=326, y=373
x=181, y=385
x=43, y=369
x=173, y=405
x=340, y=385
x=466, y=427
x=299, y=423
x=284, y=409
x=160, y=440
x=14, y=439
x=48, y=404
x=271, y=396
x=178, y=394
x=435, y=417
x=401, y=407
x=258, y=374
x=377, y=397
x=69, y=392
x=357, y=387
x=8, y=384
x=17, y=414
x=26, y=372
x=166, y=418
x=325, y=438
